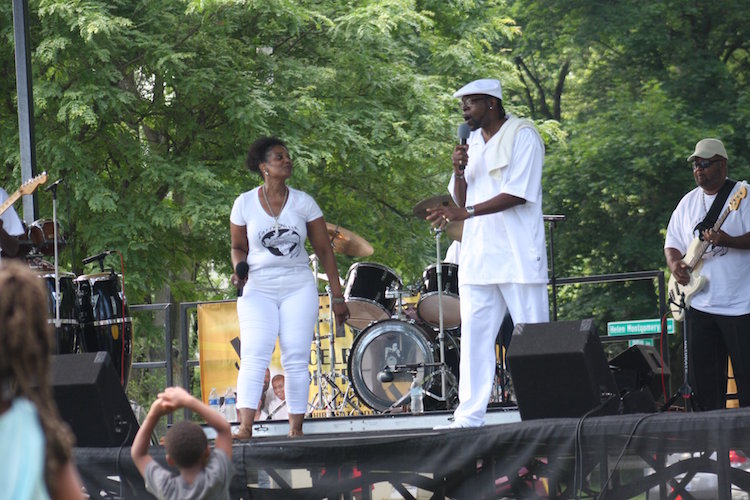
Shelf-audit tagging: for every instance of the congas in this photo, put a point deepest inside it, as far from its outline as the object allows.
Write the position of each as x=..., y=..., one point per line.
x=42, y=235
x=429, y=302
x=365, y=293
x=396, y=346
x=67, y=330
x=105, y=320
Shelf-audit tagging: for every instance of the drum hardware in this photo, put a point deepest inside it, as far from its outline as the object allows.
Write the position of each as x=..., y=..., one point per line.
x=398, y=293
x=387, y=375
x=348, y=243
x=422, y=210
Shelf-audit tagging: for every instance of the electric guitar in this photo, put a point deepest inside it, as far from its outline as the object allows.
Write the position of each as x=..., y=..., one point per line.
x=27, y=187
x=681, y=295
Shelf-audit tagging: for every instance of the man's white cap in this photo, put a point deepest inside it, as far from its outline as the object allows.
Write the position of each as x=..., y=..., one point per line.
x=486, y=86
x=708, y=148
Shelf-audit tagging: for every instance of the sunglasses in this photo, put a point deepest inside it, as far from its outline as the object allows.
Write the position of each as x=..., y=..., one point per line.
x=704, y=164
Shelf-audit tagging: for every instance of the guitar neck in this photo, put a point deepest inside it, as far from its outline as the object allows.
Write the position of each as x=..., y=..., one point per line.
x=10, y=201
x=701, y=249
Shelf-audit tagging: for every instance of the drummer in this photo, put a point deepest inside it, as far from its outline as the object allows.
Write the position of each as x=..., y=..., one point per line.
x=10, y=228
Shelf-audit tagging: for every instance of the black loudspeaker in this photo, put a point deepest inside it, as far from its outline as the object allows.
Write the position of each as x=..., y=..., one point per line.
x=91, y=400
x=559, y=370
x=638, y=367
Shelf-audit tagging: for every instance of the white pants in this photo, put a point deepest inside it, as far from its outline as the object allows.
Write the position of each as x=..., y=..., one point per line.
x=275, y=303
x=482, y=310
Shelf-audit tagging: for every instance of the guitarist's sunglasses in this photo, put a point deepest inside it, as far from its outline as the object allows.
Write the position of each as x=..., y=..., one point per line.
x=704, y=164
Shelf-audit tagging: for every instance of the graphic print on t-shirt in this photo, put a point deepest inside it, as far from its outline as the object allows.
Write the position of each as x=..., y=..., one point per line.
x=285, y=242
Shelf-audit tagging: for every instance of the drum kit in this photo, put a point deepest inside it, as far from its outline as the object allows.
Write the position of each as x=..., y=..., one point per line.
x=394, y=344
x=89, y=312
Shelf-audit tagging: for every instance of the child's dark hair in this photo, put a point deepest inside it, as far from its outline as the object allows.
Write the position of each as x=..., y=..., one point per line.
x=259, y=151
x=186, y=443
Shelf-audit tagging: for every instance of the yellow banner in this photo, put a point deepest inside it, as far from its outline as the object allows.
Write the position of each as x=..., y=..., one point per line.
x=219, y=346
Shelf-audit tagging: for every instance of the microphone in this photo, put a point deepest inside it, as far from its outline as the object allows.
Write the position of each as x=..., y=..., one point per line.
x=99, y=256
x=386, y=375
x=463, y=134
x=241, y=271
x=53, y=185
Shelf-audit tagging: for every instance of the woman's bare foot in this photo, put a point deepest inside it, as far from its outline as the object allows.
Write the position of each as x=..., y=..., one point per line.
x=295, y=425
x=243, y=433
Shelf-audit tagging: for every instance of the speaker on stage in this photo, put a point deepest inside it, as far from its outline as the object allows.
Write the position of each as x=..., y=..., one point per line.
x=637, y=369
x=559, y=370
x=91, y=400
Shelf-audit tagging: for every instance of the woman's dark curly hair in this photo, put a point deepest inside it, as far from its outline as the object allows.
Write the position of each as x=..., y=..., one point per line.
x=259, y=152
x=26, y=341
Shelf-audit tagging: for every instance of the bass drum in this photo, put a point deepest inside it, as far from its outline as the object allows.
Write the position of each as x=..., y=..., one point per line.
x=105, y=320
x=397, y=344
x=67, y=331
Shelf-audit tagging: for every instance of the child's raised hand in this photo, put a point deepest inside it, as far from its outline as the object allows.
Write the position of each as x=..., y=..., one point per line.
x=176, y=397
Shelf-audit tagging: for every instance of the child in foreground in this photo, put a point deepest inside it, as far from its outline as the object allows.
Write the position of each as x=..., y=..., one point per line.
x=203, y=474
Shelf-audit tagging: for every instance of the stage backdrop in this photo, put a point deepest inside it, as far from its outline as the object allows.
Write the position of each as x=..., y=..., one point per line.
x=219, y=345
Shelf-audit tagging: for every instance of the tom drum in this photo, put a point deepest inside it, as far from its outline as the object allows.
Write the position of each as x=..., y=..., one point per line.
x=365, y=293
x=429, y=303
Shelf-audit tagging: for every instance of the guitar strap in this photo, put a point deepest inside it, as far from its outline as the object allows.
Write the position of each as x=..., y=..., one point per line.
x=713, y=213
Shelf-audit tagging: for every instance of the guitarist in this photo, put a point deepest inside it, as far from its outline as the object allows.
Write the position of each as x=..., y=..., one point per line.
x=718, y=317
x=10, y=228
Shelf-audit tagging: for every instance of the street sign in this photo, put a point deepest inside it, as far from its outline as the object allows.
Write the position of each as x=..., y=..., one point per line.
x=639, y=326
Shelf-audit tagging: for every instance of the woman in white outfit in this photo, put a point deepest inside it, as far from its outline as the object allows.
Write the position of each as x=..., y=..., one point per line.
x=269, y=226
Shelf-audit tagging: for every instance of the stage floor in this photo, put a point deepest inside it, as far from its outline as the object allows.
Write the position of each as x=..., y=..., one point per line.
x=658, y=455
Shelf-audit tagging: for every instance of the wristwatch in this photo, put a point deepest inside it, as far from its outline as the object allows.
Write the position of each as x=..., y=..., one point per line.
x=470, y=211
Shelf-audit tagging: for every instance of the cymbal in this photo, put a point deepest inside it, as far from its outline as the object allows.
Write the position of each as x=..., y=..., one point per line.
x=347, y=242
x=420, y=209
x=455, y=230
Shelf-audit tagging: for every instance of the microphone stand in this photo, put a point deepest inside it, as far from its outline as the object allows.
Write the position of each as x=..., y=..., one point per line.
x=441, y=331
x=685, y=390
x=53, y=188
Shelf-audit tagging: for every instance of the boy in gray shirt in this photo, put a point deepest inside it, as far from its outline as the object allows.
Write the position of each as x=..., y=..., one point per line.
x=203, y=474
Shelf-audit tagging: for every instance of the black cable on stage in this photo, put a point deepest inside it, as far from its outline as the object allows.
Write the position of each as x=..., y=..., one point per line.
x=622, y=452
x=578, y=467
x=117, y=462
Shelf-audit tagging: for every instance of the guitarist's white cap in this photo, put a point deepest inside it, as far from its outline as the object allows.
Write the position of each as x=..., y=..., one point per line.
x=708, y=148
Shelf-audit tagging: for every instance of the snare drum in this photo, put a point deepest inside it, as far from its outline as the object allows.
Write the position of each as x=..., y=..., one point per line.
x=67, y=331
x=428, y=303
x=42, y=235
x=365, y=293
x=105, y=319
x=391, y=345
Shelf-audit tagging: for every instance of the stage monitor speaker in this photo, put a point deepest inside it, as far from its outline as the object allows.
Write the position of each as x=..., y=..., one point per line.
x=91, y=400
x=559, y=370
x=640, y=366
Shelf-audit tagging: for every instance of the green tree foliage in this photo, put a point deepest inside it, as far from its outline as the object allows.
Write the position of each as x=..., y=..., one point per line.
x=146, y=109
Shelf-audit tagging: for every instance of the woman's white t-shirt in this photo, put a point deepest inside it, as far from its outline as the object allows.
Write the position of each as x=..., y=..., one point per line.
x=272, y=245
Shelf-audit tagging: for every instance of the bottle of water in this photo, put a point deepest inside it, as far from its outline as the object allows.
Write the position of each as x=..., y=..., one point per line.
x=230, y=405
x=417, y=396
x=213, y=399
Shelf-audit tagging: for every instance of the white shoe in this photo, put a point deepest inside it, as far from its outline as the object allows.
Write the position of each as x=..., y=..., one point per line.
x=453, y=425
